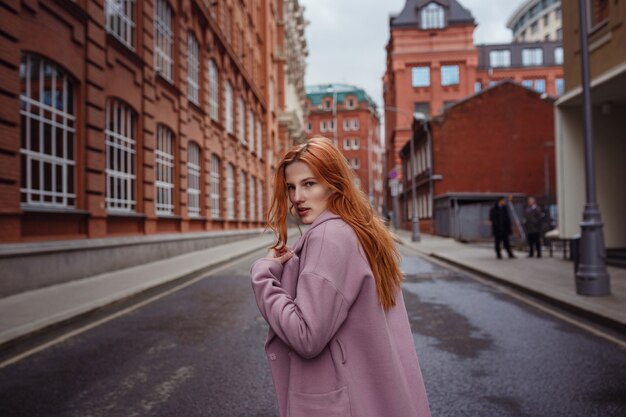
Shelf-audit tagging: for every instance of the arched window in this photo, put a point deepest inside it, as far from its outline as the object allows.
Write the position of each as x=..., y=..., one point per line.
x=120, y=156
x=432, y=17
x=242, y=195
x=259, y=195
x=48, y=129
x=193, y=70
x=163, y=39
x=164, y=155
x=120, y=20
x=228, y=102
x=215, y=187
x=230, y=192
x=214, y=94
x=193, y=178
x=241, y=120
x=252, y=198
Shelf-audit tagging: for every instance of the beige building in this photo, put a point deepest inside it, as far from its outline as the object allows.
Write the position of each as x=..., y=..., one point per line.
x=607, y=37
x=536, y=21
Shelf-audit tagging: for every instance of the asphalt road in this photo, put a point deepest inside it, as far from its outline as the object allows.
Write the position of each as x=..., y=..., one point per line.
x=199, y=352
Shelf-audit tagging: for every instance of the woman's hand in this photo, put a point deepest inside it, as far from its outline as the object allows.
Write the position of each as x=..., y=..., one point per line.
x=281, y=255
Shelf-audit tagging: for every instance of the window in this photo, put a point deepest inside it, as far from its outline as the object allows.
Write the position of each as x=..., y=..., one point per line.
x=420, y=76
x=309, y=127
x=598, y=12
x=242, y=195
x=163, y=39
x=215, y=187
x=241, y=121
x=251, y=130
x=323, y=126
x=477, y=86
x=259, y=195
x=546, y=18
x=423, y=108
x=558, y=55
x=327, y=104
x=214, y=95
x=350, y=103
x=120, y=20
x=193, y=70
x=540, y=86
x=355, y=124
x=252, y=199
x=120, y=157
x=527, y=83
x=332, y=125
x=230, y=192
x=193, y=178
x=164, y=171
x=557, y=13
x=532, y=56
x=48, y=128
x=346, y=144
x=449, y=75
x=228, y=102
x=346, y=125
x=559, y=86
x=356, y=163
x=356, y=144
x=432, y=17
x=259, y=139
x=500, y=58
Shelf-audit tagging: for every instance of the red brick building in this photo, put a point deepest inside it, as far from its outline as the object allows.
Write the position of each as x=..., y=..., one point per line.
x=432, y=63
x=348, y=116
x=123, y=117
x=497, y=142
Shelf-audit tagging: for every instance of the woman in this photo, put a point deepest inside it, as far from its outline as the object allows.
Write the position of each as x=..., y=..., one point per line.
x=339, y=343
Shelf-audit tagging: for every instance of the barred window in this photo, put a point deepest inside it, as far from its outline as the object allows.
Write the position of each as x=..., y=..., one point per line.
x=230, y=192
x=215, y=187
x=120, y=157
x=164, y=171
x=259, y=195
x=242, y=195
x=432, y=17
x=241, y=121
x=193, y=69
x=259, y=139
x=120, y=20
x=48, y=130
x=163, y=39
x=251, y=130
x=214, y=86
x=228, y=102
x=252, y=199
x=193, y=178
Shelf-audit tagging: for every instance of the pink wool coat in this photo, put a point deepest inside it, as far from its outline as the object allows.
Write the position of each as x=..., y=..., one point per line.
x=333, y=350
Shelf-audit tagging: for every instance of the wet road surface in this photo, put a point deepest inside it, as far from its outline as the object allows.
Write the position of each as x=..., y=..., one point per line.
x=199, y=352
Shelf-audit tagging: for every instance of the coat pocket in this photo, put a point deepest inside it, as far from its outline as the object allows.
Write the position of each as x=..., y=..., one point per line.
x=328, y=404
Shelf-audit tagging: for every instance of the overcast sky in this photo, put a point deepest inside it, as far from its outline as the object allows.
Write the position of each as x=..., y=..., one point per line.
x=347, y=38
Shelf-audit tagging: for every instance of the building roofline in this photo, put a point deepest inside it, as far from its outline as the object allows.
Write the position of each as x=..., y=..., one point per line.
x=522, y=8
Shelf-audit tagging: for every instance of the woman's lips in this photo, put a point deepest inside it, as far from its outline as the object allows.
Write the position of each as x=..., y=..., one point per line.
x=302, y=211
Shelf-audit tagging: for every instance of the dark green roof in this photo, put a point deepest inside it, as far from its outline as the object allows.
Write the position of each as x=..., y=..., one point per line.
x=316, y=93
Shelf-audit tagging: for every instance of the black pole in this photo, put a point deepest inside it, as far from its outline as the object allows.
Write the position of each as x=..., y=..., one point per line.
x=592, y=277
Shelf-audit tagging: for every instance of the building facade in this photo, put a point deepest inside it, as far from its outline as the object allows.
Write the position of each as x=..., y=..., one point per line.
x=606, y=38
x=497, y=142
x=140, y=117
x=348, y=116
x=537, y=21
x=432, y=63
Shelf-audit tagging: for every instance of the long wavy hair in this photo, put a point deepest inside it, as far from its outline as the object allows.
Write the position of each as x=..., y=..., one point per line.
x=346, y=200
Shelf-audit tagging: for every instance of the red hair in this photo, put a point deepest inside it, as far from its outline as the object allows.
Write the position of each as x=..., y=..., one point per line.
x=346, y=200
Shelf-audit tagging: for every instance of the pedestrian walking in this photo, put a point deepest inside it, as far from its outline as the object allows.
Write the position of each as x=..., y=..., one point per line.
x=501, y=227
x=534, y=219
x=339, y=343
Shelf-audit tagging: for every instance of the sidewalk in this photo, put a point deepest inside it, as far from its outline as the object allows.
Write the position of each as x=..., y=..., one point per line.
x=30, y=312
x=551, y=279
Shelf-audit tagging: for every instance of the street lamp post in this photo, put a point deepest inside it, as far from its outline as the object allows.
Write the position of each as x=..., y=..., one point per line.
x=592, y=277
x=415, y=229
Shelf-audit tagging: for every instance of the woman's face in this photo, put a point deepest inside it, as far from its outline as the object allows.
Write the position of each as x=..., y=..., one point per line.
x=308, y=196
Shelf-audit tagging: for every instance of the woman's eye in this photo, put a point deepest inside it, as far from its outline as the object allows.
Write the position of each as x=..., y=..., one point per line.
x=290, y=187
x=309, y=184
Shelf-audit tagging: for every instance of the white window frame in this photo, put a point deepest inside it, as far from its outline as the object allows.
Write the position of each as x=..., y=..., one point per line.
x=241, y=120
x=230, y=192
x=332, y=125
x=259, y=138
x=558, y=55
x=252, y=187
x=242, y=195
x=356, y=163
x=42, y=120
x=260, y=200
x=500, y=58
x=432, y=16
x=420, y=76
x=309, y=127
x=214, y=90
x=346, y=125
x=120, y=126
x=163, y=39
x=450, y=75
x=119, y=15
x=540, y=85
x=355, y=124
x=228, y=103
x=346, y=144
x=193, y=179
x=356, y=144
x=323, y=126
x=193, y=69
x=532, y=57
x=215, y=187
x=559, y=86
x=164, y=166
x=251, y=130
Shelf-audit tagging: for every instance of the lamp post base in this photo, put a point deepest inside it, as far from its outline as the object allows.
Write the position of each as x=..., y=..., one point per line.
x=592, y=277
x=415, y=235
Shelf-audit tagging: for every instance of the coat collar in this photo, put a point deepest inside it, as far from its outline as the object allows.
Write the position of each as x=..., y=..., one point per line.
x=322, y=218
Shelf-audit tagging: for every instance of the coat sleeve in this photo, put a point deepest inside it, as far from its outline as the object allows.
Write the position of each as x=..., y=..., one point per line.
x=308, y=322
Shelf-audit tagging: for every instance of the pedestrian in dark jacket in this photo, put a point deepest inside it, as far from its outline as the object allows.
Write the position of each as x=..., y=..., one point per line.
x=533, y=225
x=501, y=227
